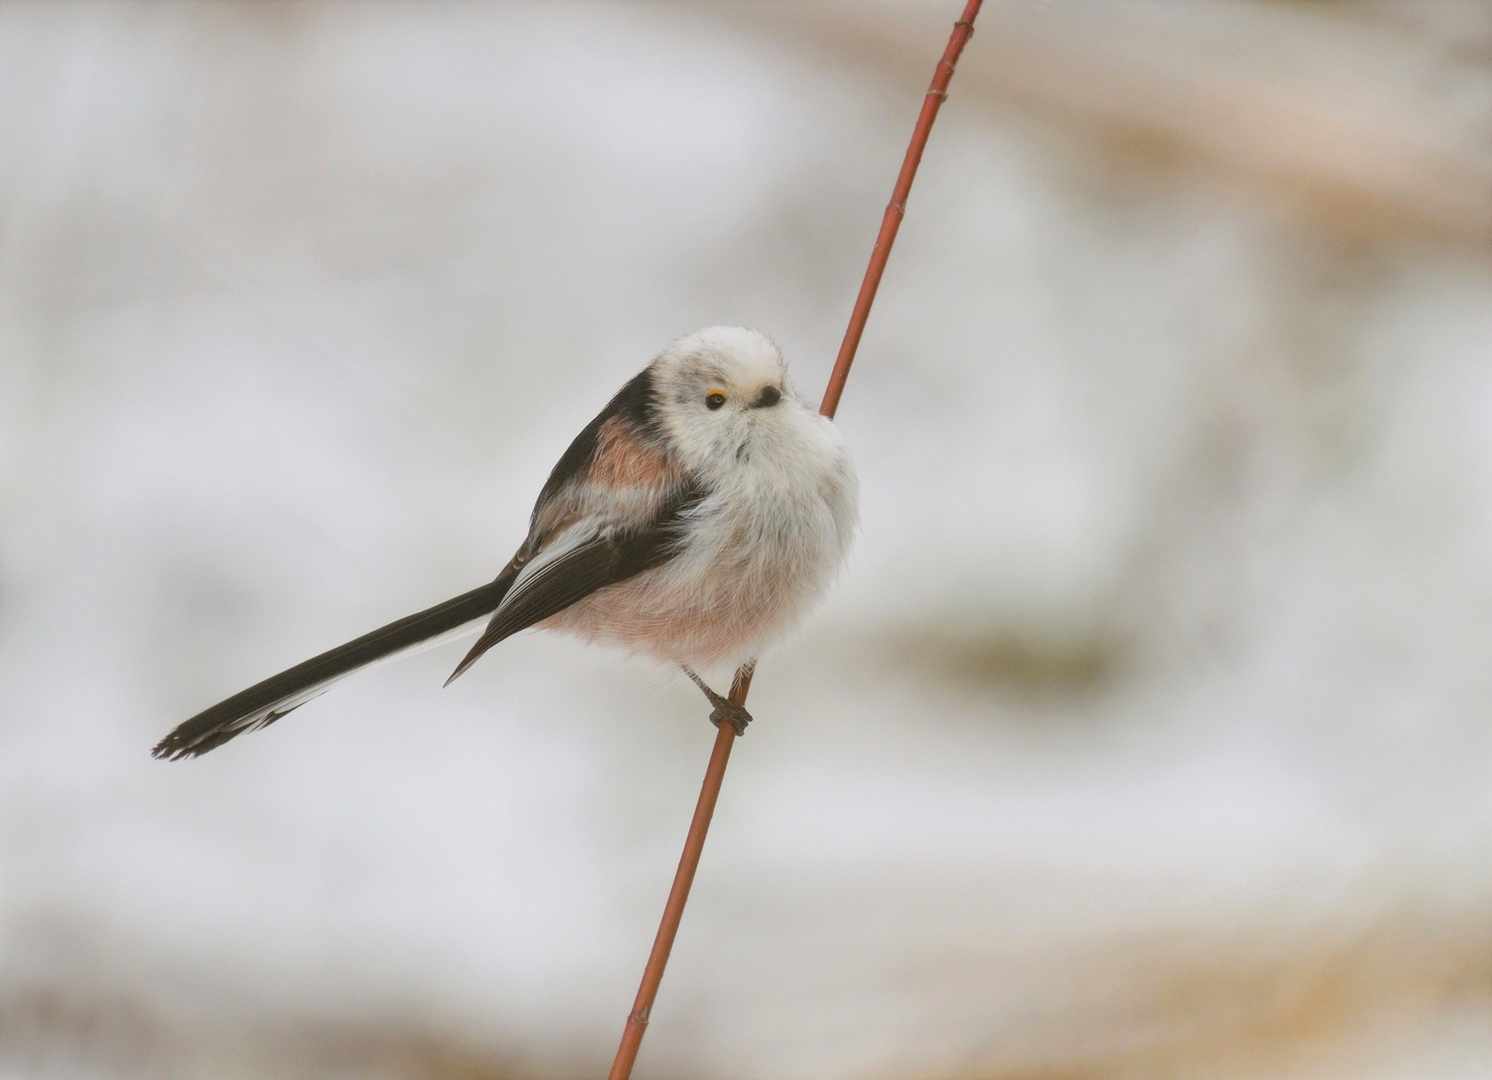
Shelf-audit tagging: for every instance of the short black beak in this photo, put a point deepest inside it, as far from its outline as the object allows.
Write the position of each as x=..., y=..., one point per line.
x=769, y=396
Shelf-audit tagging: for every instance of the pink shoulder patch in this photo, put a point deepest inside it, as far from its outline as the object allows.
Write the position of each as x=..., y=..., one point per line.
x=623, y=460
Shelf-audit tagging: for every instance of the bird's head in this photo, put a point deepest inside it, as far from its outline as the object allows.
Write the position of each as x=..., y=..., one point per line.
x=722, y=391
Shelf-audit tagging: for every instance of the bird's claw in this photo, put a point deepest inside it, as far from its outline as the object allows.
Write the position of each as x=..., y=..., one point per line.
x=729, y=712
x=726, y=710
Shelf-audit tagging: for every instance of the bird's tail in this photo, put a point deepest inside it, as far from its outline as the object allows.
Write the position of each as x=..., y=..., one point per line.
x=265, y=702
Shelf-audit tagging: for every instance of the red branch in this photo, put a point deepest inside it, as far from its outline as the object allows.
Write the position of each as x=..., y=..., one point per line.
x=678, y=895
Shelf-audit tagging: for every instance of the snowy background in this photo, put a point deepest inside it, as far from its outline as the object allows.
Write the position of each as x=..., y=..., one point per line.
x=1148, y=734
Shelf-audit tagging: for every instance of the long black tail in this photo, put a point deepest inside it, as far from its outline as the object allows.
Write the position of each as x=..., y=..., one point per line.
x=265, y=702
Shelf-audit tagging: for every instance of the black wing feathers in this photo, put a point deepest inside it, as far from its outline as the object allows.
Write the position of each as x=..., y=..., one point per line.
x=632, y=404
x=215, y=726
x=611, y=557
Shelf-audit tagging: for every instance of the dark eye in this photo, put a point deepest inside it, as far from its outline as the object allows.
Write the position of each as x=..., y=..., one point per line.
x=714, y=399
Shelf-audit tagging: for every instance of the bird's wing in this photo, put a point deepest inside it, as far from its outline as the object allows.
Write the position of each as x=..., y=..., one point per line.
x=588, y=554
x=629, y=412
x=614, y=464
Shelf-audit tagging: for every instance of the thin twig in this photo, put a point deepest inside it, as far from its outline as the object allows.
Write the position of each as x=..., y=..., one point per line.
x=725, y=737
x=937, y=93
x=673, y=911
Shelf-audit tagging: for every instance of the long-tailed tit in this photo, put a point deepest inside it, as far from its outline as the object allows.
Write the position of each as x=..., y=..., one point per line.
x=695, y=520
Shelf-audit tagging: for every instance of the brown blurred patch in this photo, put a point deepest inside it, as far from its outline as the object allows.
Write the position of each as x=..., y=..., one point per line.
x=1267, y=1000
x=1302, y=996
x=1367, y=143
x=1030, y=664
x=69, y=1029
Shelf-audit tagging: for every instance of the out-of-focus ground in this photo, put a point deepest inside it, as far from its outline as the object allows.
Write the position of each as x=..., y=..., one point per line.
x=1147, y=735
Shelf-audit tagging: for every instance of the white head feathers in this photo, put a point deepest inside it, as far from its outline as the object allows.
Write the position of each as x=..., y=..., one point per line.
x=722, y=392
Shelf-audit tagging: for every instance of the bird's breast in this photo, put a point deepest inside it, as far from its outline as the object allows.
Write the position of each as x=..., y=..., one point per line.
x=753, y=555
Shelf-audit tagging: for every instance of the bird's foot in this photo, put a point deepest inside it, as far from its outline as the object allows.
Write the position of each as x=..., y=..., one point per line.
x=731, y=713
x=725, y=711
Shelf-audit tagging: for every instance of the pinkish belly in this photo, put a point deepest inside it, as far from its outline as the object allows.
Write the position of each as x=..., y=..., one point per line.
x=699, y=626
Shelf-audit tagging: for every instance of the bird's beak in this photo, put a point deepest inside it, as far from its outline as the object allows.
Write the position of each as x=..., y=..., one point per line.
x=769, y=396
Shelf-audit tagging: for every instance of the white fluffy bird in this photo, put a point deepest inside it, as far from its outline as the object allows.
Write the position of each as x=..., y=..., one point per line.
x=695, y=521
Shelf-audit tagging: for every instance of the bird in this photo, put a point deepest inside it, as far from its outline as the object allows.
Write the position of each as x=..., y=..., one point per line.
x=695, y=521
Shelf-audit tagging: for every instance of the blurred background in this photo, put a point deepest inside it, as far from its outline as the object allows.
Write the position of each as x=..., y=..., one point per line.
x=1146, y=736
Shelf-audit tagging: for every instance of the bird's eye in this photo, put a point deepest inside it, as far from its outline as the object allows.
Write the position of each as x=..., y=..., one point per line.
x=714, y=399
